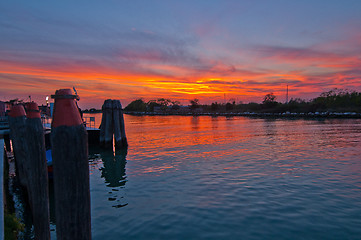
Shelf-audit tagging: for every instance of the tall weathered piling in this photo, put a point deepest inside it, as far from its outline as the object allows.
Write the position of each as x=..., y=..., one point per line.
x=106, y=129
x=36, y=171
x=102, y=128
x=122, y=128
x=71, y=170
x=116, y=122
x=17, y=135
x=117, y=108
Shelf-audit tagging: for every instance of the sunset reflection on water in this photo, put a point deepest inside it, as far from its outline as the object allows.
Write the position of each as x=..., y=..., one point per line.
x=249, y=177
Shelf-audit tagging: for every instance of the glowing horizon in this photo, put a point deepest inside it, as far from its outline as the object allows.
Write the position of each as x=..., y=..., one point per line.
x=122, y=51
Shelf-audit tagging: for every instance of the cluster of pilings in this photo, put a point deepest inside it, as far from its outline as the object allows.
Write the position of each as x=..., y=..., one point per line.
x=112, y=125
x=70, y=166
x=27, y=135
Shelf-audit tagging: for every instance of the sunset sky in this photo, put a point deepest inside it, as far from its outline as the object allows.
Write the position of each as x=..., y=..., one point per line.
x=210, y=50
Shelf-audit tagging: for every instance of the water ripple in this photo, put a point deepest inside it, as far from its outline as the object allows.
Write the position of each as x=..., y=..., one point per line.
x=237, y=178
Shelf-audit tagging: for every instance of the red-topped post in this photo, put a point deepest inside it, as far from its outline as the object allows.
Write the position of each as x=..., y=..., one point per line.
x=36, y=171
x=32, y=110
x=66, y=112
x=17, y=111
x=71, y=171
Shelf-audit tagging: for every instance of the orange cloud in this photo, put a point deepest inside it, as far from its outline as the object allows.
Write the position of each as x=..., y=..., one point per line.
x=148, y=75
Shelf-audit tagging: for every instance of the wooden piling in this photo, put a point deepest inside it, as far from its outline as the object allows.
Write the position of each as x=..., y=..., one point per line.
x=102, y=128
x=36, y=171
x=112, y=124
x=116, y=120
x=119, y=129
x=106, y=128
x=17, y=135
x=71, y=170
x=122, y=128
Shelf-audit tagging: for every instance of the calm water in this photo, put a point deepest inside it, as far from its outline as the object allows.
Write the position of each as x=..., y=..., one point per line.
x=229, y=178
x=226, y=178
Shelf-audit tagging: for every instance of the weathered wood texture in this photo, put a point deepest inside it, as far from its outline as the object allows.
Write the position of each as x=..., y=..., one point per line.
x=106, y=128
x=116, y=119
x=37, y=177
x=71, y=182
x=20, y=147
x=102, y=128
x=122, y=128
x=112, y=125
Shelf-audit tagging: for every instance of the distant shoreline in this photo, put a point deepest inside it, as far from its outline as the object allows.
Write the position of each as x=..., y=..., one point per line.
x=351, y=115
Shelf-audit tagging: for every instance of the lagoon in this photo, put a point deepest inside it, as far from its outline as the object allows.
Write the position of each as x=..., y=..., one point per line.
x=186, y=177
x=203, y=177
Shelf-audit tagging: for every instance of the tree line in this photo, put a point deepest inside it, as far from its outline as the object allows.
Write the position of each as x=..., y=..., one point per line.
x=336, y=100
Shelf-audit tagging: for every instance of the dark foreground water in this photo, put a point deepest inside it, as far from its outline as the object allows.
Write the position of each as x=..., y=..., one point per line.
x=229, y=178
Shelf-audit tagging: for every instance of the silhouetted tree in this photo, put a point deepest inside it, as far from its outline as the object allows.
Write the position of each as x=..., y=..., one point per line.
x=175, y=105
x=269, y=100
x=151, y=104
x=137, y=105
x=194, y=103
x=214, y=106
x=230, y=106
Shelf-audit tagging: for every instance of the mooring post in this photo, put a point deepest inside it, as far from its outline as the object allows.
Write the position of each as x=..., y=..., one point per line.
x=71, y=170
x=36, y=171
x=119, y=129
x=122, y=128
x=102, y=127
x=17, y=135
x=108, y=124
x=116, y=120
